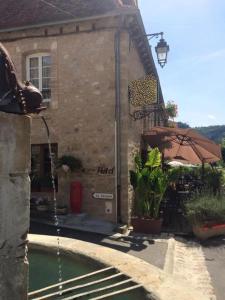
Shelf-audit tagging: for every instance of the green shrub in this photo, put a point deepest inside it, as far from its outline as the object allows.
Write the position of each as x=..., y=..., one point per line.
x=174, y=173
x=206, y=209
x=214, y=180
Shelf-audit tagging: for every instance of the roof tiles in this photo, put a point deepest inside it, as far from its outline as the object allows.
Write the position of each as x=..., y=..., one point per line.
x=21, y=13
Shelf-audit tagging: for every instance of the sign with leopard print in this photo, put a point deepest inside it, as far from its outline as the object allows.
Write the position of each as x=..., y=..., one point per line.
x=143, y=91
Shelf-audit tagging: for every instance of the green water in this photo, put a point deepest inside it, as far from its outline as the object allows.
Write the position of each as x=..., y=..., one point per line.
x=43, y=268
x=43, y=271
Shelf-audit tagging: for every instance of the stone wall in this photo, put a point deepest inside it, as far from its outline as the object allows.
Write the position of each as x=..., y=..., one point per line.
x=14, y=205
x=132, y=68
x=81, y=114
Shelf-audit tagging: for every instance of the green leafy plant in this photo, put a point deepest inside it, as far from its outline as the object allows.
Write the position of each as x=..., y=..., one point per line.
x=149, y=183
x=175, y=173
x=72, y=162
x=223, y=150
x=171, y=109
x=214, y=180
x=206, y=209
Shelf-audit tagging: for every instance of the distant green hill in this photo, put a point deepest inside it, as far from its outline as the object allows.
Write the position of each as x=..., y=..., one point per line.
x=215, y=133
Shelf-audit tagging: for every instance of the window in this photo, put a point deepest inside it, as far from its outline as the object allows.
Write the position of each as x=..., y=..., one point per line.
x=39, y=73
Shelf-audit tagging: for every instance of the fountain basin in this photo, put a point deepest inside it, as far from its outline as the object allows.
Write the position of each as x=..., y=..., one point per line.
x=156, y=283
x=43, y=268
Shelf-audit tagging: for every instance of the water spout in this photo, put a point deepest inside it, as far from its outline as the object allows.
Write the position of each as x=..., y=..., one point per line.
x=56, y=220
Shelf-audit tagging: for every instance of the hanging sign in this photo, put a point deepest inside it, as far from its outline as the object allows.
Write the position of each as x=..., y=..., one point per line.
x=102, y=196
x=143, y=91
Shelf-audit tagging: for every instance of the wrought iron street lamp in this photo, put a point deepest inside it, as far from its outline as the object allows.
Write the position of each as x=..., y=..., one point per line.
x=161, y=49
x=145, y=93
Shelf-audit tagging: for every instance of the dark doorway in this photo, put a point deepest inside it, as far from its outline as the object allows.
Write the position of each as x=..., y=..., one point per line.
x=41, y=167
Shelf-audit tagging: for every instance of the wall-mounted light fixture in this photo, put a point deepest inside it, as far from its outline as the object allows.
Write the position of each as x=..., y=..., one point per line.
x=161, y=49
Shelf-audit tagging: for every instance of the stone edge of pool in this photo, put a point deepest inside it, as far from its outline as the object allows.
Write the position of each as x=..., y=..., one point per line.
x=158, y=283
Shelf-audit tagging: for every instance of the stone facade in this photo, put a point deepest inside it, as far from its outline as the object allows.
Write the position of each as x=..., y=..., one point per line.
x=14, y=205
x=81, y=114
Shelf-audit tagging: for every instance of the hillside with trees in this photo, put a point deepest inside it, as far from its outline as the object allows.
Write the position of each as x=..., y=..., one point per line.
x=215, y=133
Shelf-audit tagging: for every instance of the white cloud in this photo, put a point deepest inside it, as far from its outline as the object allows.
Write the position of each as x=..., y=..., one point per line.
x=212, y=55
x=211, y=117
x=204, y=58
x=174, y=6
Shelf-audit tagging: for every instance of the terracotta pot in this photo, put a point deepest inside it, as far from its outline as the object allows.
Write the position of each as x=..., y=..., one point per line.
x=61, y=210
x=143, y=225
x=42, y=207
x=205, y=232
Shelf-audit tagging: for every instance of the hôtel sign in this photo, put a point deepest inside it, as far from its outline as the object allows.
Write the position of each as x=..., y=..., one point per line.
x=102, y=196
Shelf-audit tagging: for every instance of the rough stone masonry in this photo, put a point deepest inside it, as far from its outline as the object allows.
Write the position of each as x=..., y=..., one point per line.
x=14, y=205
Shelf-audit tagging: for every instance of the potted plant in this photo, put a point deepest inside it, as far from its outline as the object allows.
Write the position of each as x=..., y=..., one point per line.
x=61, y=209
x=42, y=205
x=69, y=162
x=149, y=182
x=206, y=214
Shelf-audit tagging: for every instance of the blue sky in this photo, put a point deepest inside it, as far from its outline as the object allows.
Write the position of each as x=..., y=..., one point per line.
x=194, y=76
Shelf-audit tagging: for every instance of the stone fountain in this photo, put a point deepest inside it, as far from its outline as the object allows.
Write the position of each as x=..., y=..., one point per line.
x=14, y=205
x=17, y=100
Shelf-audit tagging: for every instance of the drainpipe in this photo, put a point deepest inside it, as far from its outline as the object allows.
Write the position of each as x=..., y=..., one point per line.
x=117, y=126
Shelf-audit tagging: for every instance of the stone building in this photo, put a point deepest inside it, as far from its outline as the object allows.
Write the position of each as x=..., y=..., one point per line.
x=82, y=55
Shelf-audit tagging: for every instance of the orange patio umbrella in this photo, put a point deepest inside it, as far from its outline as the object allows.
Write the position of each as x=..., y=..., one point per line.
x=183, y=144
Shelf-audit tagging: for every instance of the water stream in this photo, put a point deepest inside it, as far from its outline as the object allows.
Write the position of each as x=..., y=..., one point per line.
x=56, y=219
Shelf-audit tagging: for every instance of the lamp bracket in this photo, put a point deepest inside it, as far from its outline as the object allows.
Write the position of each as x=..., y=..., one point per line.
x=146, y=112
x=156, y=35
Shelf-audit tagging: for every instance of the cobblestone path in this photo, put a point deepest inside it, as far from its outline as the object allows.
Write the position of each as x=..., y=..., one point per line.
x=189, y=262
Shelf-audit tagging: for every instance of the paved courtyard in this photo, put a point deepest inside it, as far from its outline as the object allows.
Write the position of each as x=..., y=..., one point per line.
x=214, y=253
x=203, y=265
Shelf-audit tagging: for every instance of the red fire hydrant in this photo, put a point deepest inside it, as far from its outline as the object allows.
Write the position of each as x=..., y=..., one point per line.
x=76, y=191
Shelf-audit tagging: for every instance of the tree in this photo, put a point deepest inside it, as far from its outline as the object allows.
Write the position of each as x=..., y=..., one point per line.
x=182, y=125
x=223, y=149
x=171, y=109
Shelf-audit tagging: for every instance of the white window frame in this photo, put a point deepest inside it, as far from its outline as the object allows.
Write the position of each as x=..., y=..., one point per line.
x=39, y=56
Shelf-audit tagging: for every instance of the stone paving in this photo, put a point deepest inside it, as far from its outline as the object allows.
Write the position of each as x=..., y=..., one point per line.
x=159, y=284
x=177, y=256
x=189, y=262
x=214, y=251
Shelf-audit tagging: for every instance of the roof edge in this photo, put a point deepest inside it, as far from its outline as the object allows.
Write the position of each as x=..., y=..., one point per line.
x=149, y=51
x=115, y=13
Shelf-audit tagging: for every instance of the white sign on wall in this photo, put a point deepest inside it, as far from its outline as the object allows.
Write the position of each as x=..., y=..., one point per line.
x=102, y=196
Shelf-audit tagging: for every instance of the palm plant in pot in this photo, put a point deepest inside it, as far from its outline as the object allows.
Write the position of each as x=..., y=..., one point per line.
x=149, y=182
